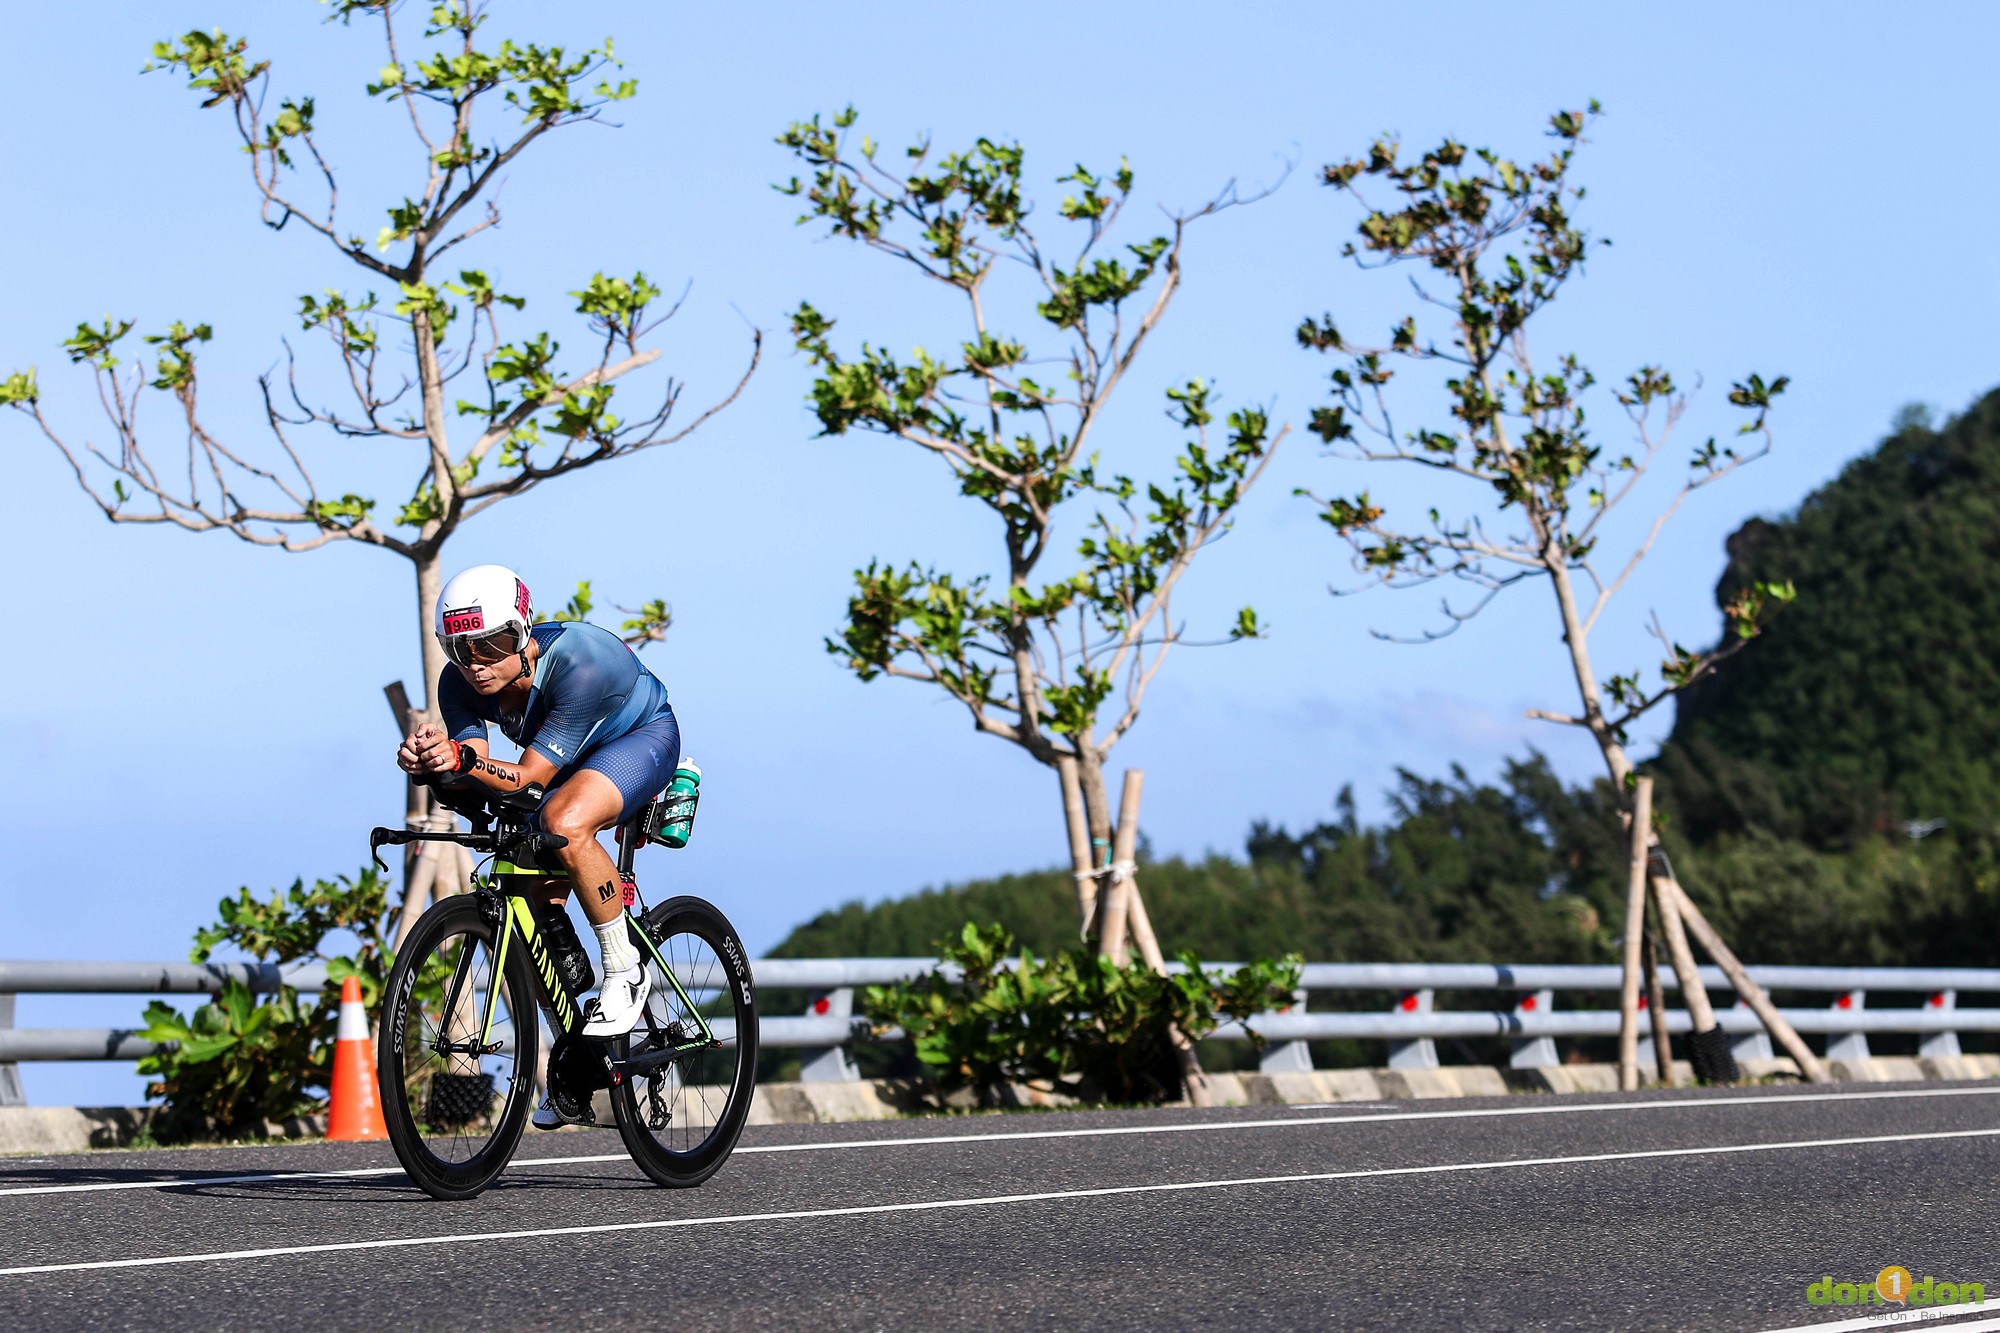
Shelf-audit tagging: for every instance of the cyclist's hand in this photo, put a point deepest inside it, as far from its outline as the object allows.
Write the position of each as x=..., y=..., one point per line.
x=428, y=750
x=438, y=752
x=407, y=756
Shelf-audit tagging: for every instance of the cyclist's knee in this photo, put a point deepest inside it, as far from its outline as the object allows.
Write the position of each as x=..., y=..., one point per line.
x=571, y=821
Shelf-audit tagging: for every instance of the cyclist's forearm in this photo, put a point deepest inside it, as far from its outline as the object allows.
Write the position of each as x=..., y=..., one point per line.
x=497, y=776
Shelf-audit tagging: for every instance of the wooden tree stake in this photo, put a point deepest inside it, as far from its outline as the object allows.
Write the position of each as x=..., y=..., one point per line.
x=1126, y=907
x=416, y=796
x=1079, y=845
x=1114, y=942
x=1694, y=996
x=1635, y=931
x=1656, y=1000
x=1666, y=887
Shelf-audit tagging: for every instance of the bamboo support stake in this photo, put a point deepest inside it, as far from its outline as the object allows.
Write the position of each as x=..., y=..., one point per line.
x=1635, y=930
x=416, y=796
x=1079, y=845
x=1131, y=904
x=416, y=892
x=1666, y=886
x=441, y=870
x=1113, y=943
x=1141, y=924
x=1199, y=1090
x=454, y=872
x=1656, y=1001
x=1694, y=996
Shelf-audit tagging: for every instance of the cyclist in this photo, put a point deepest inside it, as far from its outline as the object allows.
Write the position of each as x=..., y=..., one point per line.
x=595, y=730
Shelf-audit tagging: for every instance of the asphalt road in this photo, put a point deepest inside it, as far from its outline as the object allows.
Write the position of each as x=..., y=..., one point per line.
x=1693, y=1210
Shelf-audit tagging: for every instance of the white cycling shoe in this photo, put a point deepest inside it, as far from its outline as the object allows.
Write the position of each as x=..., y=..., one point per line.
x=618, y=1005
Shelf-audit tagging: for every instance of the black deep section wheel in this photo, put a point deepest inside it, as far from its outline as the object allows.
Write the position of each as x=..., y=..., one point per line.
x=681, y=1121
x=456, y=1054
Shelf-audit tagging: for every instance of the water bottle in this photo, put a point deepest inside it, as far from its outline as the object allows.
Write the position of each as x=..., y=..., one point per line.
x=683, y=794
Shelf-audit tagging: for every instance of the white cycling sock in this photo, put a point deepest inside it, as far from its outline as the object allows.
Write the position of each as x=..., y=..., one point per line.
x=616, y=947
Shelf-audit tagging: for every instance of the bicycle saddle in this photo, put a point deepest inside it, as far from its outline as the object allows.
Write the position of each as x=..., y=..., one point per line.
x=523, y=801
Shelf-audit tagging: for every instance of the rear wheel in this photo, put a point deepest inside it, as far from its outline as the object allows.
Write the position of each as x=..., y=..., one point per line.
x=681, y=1120
x=454, y=1106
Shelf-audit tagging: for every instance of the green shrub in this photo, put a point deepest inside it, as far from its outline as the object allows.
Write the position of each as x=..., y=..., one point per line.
x=242, y=1059
x=1073, y=1022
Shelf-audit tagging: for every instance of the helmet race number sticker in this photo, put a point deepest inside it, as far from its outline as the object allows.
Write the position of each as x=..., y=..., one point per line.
x=466, y=620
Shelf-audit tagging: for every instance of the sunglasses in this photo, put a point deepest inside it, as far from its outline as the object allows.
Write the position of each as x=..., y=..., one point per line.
x=483, y=649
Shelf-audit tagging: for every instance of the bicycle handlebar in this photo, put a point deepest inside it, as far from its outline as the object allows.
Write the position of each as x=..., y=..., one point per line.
x=525, y=842
x=510, y=836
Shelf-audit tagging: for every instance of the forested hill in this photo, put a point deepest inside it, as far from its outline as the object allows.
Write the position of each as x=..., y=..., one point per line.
x=1875, y=698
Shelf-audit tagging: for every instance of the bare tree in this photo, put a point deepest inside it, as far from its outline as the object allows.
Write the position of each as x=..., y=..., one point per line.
x=1058, y=667
x=1500, y=239
x=534, y=414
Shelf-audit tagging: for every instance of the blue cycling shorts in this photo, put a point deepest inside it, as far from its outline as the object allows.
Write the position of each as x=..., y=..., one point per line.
x=640, y=763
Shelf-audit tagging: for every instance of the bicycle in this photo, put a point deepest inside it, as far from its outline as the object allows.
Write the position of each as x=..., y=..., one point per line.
x=456, y=1053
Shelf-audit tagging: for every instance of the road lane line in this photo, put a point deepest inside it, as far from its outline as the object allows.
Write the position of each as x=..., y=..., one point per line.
x=1102, y=1131
x=1379, y=1118
x=989, y=1201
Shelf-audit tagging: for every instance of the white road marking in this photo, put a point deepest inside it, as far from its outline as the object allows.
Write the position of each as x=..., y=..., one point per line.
x=987, y=1201
x=1902, y=1319
x=1102, y=1131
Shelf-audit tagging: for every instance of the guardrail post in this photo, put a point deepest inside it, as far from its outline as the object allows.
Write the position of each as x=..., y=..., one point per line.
x=1421, y=1053
x=10, y=1074
x=1535, y=1052
x=1287, y=1057
x=1940, y=1045
x=1749, y=1045
x=828, y=1064
x=1848, y=1045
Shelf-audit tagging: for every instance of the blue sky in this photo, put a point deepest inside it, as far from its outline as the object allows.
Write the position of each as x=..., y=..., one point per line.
x=1792, y=190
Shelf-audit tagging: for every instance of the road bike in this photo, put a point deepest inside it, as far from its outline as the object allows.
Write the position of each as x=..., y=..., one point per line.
x=457, y=1047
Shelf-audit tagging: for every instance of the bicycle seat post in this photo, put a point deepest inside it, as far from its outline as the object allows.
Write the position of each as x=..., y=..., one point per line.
x=630, y=835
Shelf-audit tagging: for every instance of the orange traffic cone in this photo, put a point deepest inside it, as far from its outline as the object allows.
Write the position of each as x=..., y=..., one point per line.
x=356, y=1112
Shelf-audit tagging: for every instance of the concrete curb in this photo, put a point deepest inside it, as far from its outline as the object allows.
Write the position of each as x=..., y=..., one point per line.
x=72, y=1129
x=889, y=1099
x=36, y=1130
x=47, y=1129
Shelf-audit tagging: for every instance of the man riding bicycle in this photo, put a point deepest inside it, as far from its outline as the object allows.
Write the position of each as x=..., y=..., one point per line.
x=595, y=731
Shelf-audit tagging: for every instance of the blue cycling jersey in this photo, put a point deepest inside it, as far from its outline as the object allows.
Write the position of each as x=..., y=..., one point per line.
x=588, y=689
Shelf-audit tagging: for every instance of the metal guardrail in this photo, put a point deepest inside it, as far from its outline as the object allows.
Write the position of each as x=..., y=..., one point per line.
x=67, y=978
x=1412, y=1027
x=18, y=978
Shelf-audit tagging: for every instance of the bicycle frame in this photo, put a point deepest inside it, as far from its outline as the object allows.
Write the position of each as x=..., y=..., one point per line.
x=512, y=885
x=679, y=1094
x=505, y=897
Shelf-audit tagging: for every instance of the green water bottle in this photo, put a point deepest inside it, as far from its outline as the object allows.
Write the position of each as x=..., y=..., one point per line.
x=677, y=806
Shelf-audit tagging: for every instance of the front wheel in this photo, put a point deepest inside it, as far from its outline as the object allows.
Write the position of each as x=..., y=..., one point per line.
x=456, y=1056
x=681, y=1120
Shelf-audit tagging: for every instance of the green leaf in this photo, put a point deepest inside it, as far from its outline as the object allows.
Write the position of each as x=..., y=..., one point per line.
x=19, y=389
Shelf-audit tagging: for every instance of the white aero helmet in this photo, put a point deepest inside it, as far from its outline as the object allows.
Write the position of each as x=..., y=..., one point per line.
x=483, y=611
